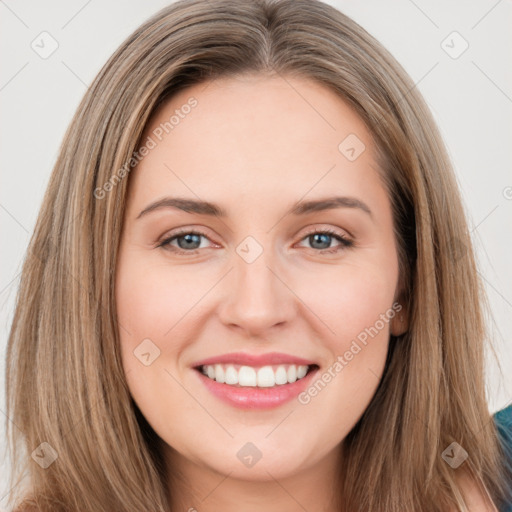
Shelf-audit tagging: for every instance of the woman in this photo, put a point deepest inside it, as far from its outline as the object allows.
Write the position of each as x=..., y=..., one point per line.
x=255, y=366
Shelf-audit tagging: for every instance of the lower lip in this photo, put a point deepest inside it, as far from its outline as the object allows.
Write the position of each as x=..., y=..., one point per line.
x=246, y=397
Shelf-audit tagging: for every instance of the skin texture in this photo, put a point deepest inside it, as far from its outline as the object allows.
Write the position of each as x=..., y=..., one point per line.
x=475, y=495
x=255, y=145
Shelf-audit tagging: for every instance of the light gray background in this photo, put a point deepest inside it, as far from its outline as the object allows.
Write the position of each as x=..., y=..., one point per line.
x=470, y=96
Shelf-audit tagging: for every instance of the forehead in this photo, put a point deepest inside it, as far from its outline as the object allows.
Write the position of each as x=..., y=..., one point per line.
x=256, y=135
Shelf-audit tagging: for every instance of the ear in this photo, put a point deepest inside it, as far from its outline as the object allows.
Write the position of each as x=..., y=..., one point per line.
x=399, y=324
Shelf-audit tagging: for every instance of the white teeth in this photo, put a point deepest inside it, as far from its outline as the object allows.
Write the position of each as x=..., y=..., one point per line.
x=231, y=375
x=219, y=374
x=247, y=376
x=301, y=371
x=264, y=377
x=292, y=373
x=281, y=376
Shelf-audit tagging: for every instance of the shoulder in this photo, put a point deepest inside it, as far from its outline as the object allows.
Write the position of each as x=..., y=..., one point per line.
x=503, y=421
x=475, y=495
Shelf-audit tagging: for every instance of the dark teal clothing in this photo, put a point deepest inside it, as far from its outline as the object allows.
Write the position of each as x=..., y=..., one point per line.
x=503, y=421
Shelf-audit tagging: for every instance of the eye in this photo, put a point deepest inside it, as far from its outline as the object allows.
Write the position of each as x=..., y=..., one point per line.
x=189, y=241
x=324, y=237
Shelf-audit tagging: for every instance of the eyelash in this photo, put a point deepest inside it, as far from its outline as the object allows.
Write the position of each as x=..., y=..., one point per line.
x=344, y=241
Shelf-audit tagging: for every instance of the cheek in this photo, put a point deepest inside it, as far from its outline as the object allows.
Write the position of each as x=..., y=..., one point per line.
x=349, y=300
x=150, y=300
x=355, y=309
x=151, y=304
x=147, y=307
x=357, y=340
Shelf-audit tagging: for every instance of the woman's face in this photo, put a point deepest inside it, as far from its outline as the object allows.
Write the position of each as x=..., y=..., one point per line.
x=256, y=280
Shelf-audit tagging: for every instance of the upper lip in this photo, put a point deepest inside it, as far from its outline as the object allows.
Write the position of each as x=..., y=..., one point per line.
x=254, y=359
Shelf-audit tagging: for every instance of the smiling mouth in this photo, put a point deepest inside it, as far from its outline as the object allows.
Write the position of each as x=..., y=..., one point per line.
x=257, y=377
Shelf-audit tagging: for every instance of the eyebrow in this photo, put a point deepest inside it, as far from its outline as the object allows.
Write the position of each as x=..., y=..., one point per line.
x=300, y=208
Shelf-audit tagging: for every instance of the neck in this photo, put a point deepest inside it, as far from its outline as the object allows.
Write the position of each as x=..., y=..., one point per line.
x=196, y=487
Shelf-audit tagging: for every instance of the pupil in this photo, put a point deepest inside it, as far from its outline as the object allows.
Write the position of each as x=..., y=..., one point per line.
x=189, y=240
x=318, y=236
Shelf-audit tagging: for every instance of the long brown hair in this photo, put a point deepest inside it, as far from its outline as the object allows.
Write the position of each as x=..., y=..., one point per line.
x=64, y=377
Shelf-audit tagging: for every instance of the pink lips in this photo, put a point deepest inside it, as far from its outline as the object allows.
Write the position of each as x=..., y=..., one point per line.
x=251, y=397
x=254, y=360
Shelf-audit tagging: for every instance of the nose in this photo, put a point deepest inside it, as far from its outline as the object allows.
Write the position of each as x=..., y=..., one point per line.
x=257, y=297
